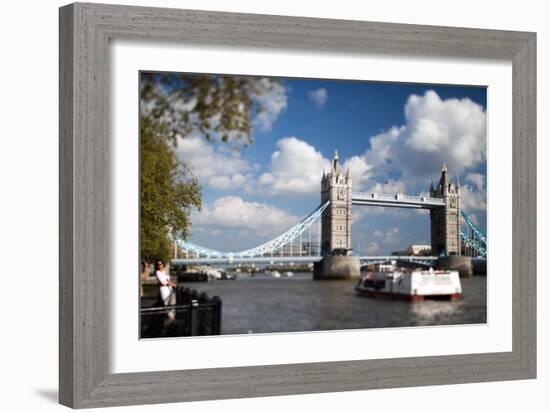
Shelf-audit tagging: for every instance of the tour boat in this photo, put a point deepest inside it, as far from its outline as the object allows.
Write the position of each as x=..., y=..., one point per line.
x=411, y=284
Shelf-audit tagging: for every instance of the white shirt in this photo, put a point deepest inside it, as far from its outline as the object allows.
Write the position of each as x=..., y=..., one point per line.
x=163, y=278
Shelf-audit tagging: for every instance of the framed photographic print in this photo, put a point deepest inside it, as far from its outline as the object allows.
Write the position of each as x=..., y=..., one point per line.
x=286, y=201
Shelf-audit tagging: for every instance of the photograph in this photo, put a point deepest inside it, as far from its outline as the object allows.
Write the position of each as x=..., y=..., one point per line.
x=271, y=204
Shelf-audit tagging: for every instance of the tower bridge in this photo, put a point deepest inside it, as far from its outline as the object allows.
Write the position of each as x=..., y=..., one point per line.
x=443, y=202
x=324, y=236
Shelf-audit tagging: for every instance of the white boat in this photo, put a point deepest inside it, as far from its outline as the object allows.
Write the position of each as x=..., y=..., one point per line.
x=213, y=274
x=388, y=280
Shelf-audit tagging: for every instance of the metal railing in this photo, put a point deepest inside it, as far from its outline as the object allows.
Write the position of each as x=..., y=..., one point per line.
x=194, y=314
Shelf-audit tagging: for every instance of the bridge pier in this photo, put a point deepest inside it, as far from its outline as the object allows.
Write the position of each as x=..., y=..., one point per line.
x=334, y=267
x=462, y=264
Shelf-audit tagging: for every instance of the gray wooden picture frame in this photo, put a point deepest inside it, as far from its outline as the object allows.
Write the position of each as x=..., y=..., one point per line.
x=85, y=32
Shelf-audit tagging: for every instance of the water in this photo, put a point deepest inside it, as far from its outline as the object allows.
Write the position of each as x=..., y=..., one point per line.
x=263, y=304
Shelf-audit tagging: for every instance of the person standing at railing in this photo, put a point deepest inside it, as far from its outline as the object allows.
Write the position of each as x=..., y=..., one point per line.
x=165, y=283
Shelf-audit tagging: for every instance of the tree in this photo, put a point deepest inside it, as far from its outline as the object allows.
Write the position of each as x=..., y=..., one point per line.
x=217, y=107
x=168, y=192
x=174, y=106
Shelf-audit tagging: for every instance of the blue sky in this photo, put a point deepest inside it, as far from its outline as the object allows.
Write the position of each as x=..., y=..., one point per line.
x=391, y=136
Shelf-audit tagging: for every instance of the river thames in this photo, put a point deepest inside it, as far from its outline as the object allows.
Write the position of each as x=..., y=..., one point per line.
x=263, y=304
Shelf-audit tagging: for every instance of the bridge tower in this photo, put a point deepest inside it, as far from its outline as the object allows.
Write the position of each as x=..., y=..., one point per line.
x=445, y=221
x=336, y=219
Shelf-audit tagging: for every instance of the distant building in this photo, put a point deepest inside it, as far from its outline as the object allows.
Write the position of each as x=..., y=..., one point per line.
x=414, y=250
x=419, y=250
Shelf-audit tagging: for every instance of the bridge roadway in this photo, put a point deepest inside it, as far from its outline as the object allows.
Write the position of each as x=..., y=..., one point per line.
x=291, y=259
x=396, y=200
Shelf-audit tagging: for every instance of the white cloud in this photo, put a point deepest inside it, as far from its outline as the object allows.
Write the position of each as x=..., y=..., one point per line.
x=381, y=240
x=235, y=213
x=358, y=213
x=472, y=199
x=436, y=131
x=273, y=98
x=319, y=97
x=296, y=167
x=453, y=129
x=226, y=182
x=422, y=212
x=372, y=247
x=473, y=217
x=477, y=179
x=389, y=187
x=392, y=236
x=360, y=171
x=221, y=169
x=381, y=150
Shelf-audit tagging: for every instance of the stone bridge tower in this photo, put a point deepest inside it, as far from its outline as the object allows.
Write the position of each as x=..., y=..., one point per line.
x=336, y=219
x=445, y=221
